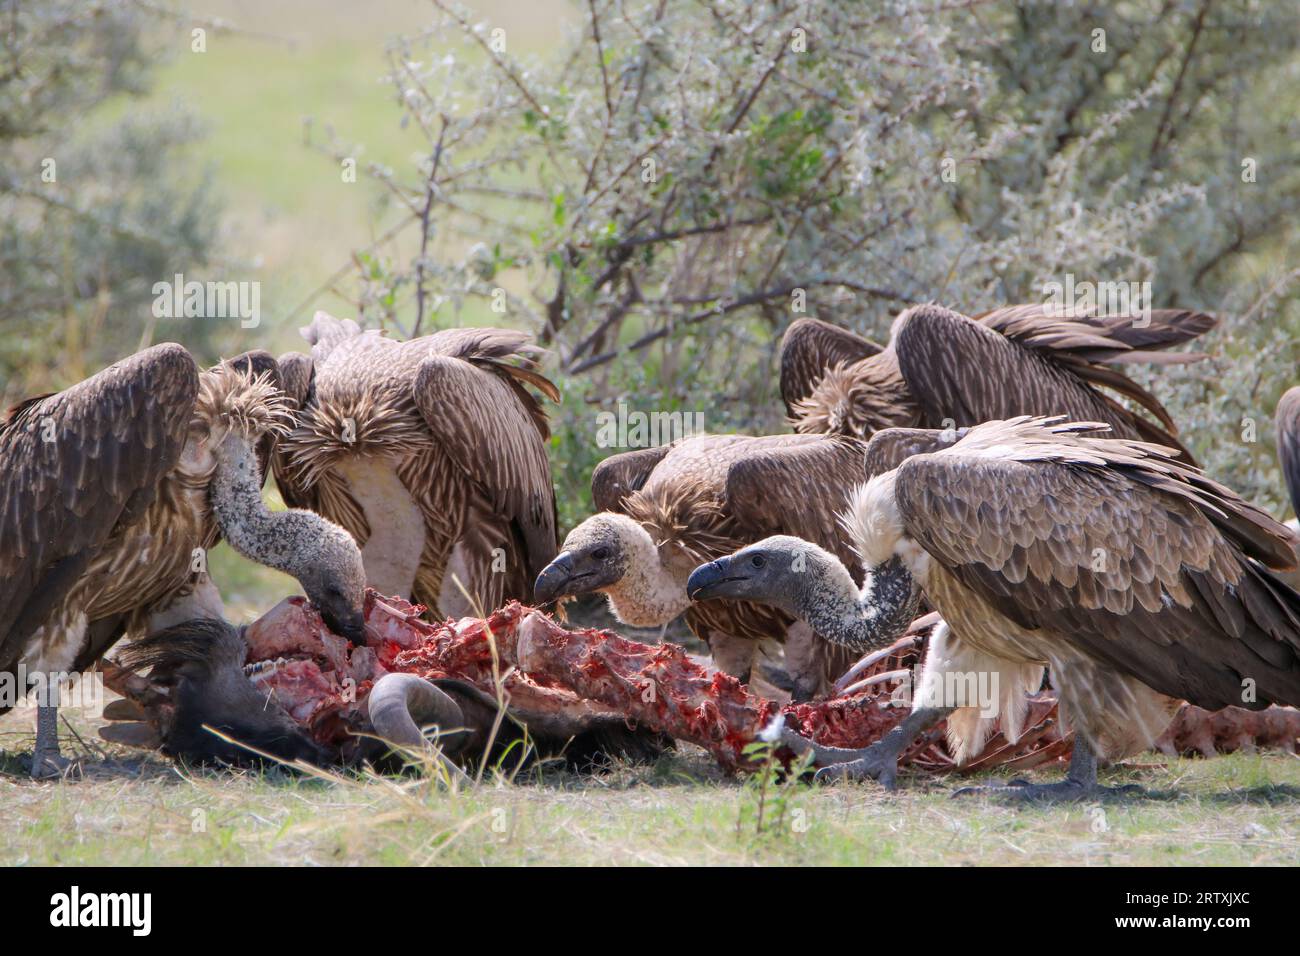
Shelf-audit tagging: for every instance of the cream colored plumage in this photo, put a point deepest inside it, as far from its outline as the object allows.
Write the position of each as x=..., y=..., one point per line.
x=431, y=452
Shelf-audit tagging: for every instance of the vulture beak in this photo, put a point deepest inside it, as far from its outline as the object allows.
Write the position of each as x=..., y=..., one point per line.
x=351, y=624
x=554, y=579
x=706, y=580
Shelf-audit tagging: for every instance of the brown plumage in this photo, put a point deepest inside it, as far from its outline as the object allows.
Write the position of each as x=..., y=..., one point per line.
x=1138, y=579
x=431, y=452
x=107, y=489
x=942, y=369
x=1134, y=577
x=665, y=510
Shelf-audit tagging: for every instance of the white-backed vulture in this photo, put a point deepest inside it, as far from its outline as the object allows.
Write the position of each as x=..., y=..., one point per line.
x=431, y=452
x=109, y=487
x=664, y=510
x=1287, y=423
x=944, y=370
x=1138, y=580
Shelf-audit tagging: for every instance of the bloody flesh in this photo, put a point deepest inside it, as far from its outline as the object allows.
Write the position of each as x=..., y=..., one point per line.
x=530, y=661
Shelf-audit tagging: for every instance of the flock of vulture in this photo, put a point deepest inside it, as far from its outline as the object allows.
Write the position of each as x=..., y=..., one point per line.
x=998, y=470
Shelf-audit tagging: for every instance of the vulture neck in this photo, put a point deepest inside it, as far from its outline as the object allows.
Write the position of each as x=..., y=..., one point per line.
x=833, y=607
x=277, y=539
x=649, y=594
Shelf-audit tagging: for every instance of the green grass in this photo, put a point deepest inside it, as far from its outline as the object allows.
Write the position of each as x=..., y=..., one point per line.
x=1234, y=810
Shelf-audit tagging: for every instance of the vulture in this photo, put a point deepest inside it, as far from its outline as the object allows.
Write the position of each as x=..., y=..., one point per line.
x=1134, y=577
x=430, y=452
x=665, y=510
x=1287, y=422
x=944, y=370
x=108, y=488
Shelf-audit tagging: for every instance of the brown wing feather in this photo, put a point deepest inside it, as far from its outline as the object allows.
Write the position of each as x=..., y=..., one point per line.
x=1112, y=338
x=115, y=436
x=810, y=347
x=619, y=475
x=1287, y=422
x=476, y=415
x=963, y=371
x=890, y=448
x=1116, y=549
x=799, y=488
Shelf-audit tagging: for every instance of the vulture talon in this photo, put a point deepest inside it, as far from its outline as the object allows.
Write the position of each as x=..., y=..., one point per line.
x=53, y=766
x=1080, y=783
x=1062, y=791
x=876, y=763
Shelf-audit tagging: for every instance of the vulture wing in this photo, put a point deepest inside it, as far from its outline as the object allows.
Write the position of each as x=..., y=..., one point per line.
x=112, y=439
x=1121, y=339
x=298, y=380
x=890, y=448
x=476, y=415
x=619, y=475
x=969, y=372
x=798, y=488
x=1115, y=548
x=1287, y=421
x=811, y=346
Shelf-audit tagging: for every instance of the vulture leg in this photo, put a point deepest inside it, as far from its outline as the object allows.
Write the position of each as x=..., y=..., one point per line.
x=47, y=762
x=879, y=761
x=733, y=655
x=1080, y=782
x=802, y=662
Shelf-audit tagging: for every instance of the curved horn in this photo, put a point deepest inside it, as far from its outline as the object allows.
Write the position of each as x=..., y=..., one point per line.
x=400, y=704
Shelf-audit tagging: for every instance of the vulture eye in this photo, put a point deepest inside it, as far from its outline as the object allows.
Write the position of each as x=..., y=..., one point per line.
x=600, y=554
x=757, y=560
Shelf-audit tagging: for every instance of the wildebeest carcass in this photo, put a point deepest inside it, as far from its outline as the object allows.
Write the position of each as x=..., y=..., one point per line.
x=583, y=694
x=286, y=688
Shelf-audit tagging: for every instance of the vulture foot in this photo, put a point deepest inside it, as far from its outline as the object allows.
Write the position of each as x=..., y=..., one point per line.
x=1080, y=783
x=47, y=762
x=53, y=766
x=878, y=762
x=1063, y=791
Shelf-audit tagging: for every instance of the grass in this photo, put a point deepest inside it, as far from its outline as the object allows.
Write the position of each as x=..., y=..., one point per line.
x=1241, y=810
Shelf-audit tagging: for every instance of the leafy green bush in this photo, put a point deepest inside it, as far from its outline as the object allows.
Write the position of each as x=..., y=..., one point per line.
x=660, y=198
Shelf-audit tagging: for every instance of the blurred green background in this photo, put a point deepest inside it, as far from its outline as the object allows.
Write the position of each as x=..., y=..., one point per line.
x=781, y=161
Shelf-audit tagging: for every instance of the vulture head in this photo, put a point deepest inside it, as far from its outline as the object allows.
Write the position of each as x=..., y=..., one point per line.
x=595, y=555
x=780, y=571
x=334, y=579
x=812, y=585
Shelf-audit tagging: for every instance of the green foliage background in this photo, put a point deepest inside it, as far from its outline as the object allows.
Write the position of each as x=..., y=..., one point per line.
x=794, y=146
